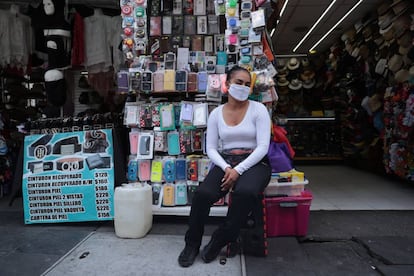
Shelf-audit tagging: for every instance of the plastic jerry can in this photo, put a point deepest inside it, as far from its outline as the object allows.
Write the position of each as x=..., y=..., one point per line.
x=133, y=210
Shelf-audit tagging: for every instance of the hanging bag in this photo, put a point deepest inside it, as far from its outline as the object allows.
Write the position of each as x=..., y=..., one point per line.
x=279, y=157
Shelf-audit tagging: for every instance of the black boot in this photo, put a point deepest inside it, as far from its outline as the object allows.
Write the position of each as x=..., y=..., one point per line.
x=212, y=249
x=188, y=255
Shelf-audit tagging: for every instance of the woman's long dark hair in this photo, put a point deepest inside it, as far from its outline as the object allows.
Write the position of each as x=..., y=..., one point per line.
x=234, y=69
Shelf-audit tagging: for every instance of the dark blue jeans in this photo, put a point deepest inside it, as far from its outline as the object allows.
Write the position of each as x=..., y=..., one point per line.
x=249, y=186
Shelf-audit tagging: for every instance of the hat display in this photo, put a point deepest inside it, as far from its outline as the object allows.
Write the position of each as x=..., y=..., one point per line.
x=308, y=84
x=305, y=62
x=55, y=87
x=282, y=90
x=401, y=25
x=282, y=81
x=403, y=50
x=295, y=84
x=395, y=63
x=399, y=6
x=374, y=102
x=307, y=75
x=293, y=64
x=358, y=26
x=402, y=76
x=349, y=35
x=389, y=35
x=381, y=67
x=405, y=40
x=384, y=7
x=385, y=22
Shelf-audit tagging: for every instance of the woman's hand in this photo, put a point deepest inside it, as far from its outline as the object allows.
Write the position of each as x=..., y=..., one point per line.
x=229, y=179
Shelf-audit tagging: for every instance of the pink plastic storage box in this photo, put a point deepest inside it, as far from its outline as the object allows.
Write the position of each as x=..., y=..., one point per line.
x=288, y=216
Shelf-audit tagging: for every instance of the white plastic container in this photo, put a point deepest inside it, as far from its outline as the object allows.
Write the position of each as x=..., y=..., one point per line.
x=133, y=210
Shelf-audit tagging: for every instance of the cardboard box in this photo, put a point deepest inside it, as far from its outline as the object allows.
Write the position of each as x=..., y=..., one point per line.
x=288, y=216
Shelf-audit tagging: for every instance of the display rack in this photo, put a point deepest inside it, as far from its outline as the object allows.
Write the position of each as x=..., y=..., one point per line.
x=314, y=138
x=215, y=211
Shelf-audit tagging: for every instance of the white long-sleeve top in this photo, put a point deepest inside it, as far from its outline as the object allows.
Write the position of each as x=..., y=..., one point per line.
x=252, y=132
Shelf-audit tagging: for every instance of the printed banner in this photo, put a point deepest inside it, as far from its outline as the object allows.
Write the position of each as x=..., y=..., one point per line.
x=68, y=177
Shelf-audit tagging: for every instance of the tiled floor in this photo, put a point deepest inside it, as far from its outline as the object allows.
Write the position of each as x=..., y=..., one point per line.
x=338, y=187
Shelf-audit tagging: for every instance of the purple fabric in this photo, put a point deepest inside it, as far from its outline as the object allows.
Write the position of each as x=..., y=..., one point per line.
x=279, y=157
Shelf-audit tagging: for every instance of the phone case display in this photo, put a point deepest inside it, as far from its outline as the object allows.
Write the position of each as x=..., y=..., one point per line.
x=177, y=72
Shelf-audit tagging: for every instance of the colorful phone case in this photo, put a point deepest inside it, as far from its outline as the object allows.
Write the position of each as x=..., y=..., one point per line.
x=144, y=172
x=173, y=141
x=192, y=170
x=158, y=77
x=180, y=193
x=202, y=81
x=132, y=170
x=169, y=170
x=168, y=198
x=156, y=171
x=180, y=169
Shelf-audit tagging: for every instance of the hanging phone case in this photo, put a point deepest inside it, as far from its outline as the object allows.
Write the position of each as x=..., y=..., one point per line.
x=156, y=192
x=192, y=169
x=181, y=80
x=146, y=81
x=203, y=168
x=133, y=142
x=158, y=81
x=202, y=81
x=156, y=170
x=144, y=171
x=169, y=80
x=168, y=198
x=173, y=143
x=169, y=170
x=132, y=170
x=191, y=189
x=160, y=141
x=180, y=169
x=192, y=82
x=181, y=193
x=167, y=120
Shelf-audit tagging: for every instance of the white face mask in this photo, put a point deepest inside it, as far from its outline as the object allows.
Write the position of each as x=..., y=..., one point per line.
x=239, y=92
x=49, y=7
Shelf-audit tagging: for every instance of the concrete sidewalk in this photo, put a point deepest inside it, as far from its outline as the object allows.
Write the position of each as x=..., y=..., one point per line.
x=337, y=243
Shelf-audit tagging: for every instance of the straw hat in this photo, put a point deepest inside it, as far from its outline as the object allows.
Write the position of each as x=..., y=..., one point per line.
x=282, y=81
x=305, y=62
x=395, y=63
x=295, y=84
x=308, y=84
x=358, y=26
x=381, y=67
x=385, y=22
x=307, y=75
x=389, y=34
x=293, y=64
x=402, y=76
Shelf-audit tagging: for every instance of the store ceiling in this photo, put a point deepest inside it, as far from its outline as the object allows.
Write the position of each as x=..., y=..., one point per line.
x=297, y=19
x=300, y=15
